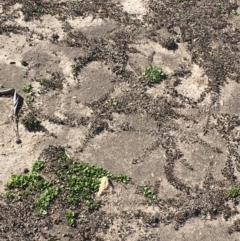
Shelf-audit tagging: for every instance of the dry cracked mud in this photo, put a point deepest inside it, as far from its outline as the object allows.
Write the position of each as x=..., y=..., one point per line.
x=180, y=137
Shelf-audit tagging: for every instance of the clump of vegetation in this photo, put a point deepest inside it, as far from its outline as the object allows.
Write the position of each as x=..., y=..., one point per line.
x=43, y=202
x=72, y=183
x=75, y=70
x=27, y=88
x=32, y=123
x=42, y=10
x=38, y=166
x=153, y=74
x=22, y=185
x=234, y=12
x=150, y=195
x=233, y=192
x=70, y=215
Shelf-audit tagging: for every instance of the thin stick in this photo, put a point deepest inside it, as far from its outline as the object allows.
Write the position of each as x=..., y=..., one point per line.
x=15, y=105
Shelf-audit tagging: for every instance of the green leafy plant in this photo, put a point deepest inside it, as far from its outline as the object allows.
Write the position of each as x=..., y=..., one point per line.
x=220, y=7
x=234, y=12
x=39, y=9
x=52, y=238
x=38, y=166
x=149, y=194
x=153, y=74
x=233, y=192
x=32, y=123
x=22, y=185
x=75, y=70
x=43, y=202
x=79, y=181
x=27, y=88
x=178, y=14
x=112, y=102
x=70, y=215
x=30, y=98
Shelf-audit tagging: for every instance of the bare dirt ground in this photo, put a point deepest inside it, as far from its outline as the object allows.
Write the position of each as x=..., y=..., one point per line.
x=180, y=137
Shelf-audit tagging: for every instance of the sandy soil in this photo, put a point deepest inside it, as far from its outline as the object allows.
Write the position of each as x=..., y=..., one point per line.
x=181, y=137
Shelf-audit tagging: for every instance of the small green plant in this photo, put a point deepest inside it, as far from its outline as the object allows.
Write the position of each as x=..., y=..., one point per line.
x=32, y=123
x=79, y=183
x=112, y=102
x=70, y=215
x=39, y=9
x=52, y=238
x=43, y=202
x=178, y=14
x=220, y=7
x=233, y=192
x=27, y=88
x=169, y=214
x=75, y=70
x=234, y=12
x=38, y=166
x=30, y=98
x=153, y=74
x=149, y=194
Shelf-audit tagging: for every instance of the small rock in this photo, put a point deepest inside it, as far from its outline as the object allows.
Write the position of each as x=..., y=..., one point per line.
x=25, y=170
x=110, y=117
x=105, y=185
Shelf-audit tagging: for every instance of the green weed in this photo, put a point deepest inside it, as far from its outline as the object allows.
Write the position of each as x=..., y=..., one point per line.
x=27, y=88
x=149, y=194
x=178, y=14
x=23, y=185
x=75, y=70
x=70, y=215
x=233, y=192
x=234, y=12
x=79, y=183
x=39, y=9
x=32, y=123
x=153, y=74
x=43, y=202
x=38, y=166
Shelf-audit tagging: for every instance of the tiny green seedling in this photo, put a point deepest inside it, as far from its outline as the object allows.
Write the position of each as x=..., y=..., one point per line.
x=70, y=215
x=38, y=166
x=112, y=102
x=39, y=9
x=27, y=88
x=75, y=70
x=233, y=192
x=234, y=12
x=178, y=14
x=153, y=74
x=43, y=202
x=149, y=194
x=30, y=98
x=32, y=123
